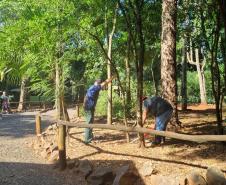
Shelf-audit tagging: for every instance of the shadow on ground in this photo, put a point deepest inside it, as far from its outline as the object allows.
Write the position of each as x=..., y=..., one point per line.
x=44, y=174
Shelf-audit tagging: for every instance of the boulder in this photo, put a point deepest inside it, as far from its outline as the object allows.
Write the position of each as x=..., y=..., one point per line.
x=102, y=175
x=162, y=180
x=76, y=163
x=54, y=156
x=53, y=147
x=194, y=178
x=45, y=153
x=147, y=169
x=215, y=176
x=124, y=176
x=85, y=168
x=70, y=164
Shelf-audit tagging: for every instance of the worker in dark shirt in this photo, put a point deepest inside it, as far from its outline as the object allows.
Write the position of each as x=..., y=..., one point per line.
x=161, y=110
x=89, y=105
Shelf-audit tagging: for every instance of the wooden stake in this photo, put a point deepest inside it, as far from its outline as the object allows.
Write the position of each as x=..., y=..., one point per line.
x=77, y=111
x=62, y=146
x=38, y=124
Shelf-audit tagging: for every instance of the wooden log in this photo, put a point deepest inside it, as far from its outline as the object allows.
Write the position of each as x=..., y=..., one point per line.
x=62, y=146
x=38, y=124
x=185, y=137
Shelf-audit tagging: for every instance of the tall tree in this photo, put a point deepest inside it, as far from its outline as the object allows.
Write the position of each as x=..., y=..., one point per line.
x=168, y=55
x=109, y=58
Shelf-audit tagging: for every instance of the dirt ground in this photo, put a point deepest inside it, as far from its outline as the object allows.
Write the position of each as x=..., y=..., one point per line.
x=175, y=158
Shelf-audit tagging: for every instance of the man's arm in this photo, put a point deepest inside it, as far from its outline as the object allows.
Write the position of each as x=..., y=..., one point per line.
x=107, y=81
x=144, y=116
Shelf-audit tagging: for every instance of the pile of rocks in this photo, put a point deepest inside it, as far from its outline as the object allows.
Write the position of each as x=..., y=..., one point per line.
x=104, y=175
x=214, y=176
x=47, y=146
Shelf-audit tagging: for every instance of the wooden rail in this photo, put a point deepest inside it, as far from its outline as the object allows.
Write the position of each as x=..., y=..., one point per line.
x=62, y=134
x=185, y=137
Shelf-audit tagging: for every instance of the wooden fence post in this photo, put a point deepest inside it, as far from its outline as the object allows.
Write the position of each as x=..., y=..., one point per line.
x=38, y=123
x=77, y=111
x=62, y=146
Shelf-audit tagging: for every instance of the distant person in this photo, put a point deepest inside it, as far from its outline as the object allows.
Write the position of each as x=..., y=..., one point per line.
x=0, y=107
x=161, y=110
x=5, y=103
x=89, y=105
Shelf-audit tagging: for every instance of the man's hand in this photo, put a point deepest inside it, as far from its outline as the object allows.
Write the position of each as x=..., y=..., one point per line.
x=107, y=81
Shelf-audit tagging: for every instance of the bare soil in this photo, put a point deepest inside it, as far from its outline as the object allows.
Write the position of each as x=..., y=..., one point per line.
x=175, y=158
x=19, y=164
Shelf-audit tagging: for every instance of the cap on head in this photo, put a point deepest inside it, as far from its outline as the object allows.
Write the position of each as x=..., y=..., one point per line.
x=144, y=98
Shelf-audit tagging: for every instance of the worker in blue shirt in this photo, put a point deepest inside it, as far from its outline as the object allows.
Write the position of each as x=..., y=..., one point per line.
x=89, y=105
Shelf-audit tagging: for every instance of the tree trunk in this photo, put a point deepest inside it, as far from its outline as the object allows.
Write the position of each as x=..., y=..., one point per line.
x=127, y=72
x=168, y=55
x=140, y=66
x=222, y=4
x=200, y=72
x=109, y=70
x=223, y=50
x=61, y=109
x=201, y=78
x=184, y=79
x=22, y=94
x=216, y=81
x=109, y=109
x=153, y=79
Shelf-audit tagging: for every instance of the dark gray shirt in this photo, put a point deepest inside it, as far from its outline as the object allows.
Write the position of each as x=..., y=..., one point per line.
x=156, y=105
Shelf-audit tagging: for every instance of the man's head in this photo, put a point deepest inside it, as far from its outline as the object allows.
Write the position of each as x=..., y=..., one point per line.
x=145, y=102
x=97, y=82
x=4, y=93
x=144, y=98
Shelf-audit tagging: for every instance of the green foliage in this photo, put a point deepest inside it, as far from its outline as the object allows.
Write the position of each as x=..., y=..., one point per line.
x=34, y=35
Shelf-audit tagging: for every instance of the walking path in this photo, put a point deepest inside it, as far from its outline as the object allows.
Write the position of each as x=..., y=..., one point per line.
x=19, y=165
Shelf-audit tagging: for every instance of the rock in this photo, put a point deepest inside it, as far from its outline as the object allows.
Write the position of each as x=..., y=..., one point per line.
x=194, y=178
x=124, y=177
x=50, y=127
x=147, y=169
x=71, y=164
x=215, y=176
x=54, y=156
x=102, y=175
x=54, y=126
x=46, y=146
x=76, y=163
x=37, y=145
x=162, y=180
x=53, y=147
x=85, y=168
x=128, y=178
x=45, y=154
